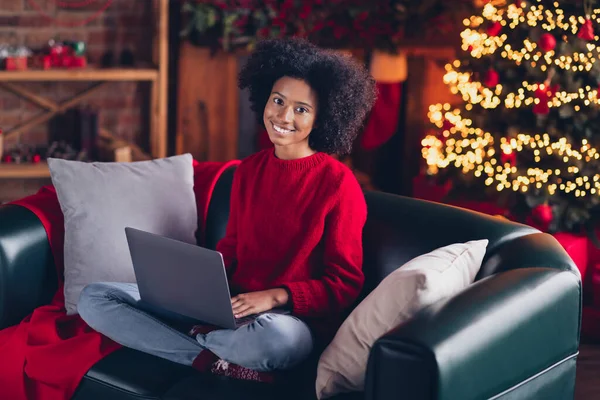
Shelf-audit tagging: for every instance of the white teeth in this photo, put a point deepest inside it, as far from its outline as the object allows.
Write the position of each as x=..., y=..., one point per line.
x=280, y=130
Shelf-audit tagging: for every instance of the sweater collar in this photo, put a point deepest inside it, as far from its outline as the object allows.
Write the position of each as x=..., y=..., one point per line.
x=298, y=164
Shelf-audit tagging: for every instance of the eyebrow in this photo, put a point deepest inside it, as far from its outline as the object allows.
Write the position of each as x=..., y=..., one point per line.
x=299, y=102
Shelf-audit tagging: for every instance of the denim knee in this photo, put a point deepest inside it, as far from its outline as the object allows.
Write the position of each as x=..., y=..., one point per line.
x=89, y=299
x=287, y=341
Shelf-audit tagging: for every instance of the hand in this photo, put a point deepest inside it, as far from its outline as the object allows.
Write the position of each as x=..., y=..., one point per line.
x=256, y=302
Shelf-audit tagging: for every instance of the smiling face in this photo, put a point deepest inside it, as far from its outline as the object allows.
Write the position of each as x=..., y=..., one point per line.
x=289, y=117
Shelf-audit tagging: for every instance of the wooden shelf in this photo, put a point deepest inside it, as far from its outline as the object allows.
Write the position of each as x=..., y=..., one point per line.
x=82, y=74
x=156, y=74
x=13, y=171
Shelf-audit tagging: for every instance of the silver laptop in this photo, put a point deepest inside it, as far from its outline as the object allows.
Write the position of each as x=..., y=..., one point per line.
x=182, y=278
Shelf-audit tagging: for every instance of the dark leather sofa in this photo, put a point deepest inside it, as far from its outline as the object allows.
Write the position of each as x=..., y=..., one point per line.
x=514, y=334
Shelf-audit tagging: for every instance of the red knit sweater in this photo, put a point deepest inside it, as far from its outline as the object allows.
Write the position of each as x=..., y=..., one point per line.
x=297, y=224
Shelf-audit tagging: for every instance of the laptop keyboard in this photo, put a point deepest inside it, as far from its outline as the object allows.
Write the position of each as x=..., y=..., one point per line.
x=245, y=320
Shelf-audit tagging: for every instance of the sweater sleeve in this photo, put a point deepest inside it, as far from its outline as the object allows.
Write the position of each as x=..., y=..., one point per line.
x=227, y=246
x=343, y=277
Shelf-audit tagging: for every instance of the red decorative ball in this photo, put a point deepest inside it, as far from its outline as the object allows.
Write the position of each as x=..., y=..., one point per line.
x=447, y=125
x=542, y=214
x=547, y=42
x=491, y=78
x=494, y=29
x=510, y=158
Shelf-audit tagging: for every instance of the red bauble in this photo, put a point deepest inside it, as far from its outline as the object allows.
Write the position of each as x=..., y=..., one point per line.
x=542, y=214
x=494, y=29
x=491, y=78
x=586, y=31
x=510, y=158
x=547, y=42
x=446, y=125
x=544, y=94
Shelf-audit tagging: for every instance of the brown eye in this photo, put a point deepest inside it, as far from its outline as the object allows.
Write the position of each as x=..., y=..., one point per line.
x=277, y=100
x=302, y=110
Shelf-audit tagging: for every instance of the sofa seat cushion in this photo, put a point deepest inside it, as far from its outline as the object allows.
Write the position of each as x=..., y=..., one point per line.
x=128, y=374
x=211, y=387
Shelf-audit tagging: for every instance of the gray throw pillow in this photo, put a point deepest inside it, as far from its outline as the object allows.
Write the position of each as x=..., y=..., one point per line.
x=99, y=200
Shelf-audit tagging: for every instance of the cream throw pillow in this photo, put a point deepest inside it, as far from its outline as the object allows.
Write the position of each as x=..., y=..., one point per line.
x=419, y=283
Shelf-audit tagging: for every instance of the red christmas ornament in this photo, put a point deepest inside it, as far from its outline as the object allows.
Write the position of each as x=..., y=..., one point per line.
x=444, y=133
x=510, y=158
x=446, y=125
x=494, y=29
x=541, y=217
x=586, y=31
x=543, y=94
x=491, y=78
x=547, y=42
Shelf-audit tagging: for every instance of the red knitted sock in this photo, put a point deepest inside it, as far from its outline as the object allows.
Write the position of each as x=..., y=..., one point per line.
x=204, y=361
x=204, y=329
x=224, y=368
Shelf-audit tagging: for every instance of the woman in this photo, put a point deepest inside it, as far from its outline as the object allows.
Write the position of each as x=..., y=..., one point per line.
x=294, y=236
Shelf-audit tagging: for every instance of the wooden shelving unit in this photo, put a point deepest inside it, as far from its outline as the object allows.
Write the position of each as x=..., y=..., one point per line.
x=39, y=170
x=155, y=75
x=84, y=74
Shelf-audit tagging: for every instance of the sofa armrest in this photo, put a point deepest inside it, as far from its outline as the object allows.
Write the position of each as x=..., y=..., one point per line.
x=27, y=273
x=490, y=338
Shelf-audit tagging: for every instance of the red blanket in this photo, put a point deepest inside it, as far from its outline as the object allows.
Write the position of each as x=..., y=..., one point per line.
x=47, y=354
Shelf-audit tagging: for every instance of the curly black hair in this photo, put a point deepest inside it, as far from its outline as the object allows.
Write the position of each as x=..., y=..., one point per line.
x=345, y=90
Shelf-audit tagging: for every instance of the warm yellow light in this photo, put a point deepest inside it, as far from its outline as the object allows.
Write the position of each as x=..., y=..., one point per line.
x=473, y=152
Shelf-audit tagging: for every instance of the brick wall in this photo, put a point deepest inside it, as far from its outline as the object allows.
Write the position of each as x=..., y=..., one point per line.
x=126, y=24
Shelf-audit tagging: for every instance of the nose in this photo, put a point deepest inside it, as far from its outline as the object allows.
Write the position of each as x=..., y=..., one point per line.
x=286, y=114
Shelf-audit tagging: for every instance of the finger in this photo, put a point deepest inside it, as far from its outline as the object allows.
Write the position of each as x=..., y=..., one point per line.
x=236, y=299
x=242, y=312
x=238, y=307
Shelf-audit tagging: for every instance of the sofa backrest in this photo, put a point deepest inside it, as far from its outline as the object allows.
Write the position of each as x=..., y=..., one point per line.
x=401, y=228
x=218, y=209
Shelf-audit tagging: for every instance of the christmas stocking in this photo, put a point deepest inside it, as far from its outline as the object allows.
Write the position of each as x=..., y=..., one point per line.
x=389, y=71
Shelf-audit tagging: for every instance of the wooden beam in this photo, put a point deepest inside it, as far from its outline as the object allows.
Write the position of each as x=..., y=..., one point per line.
x=27, y=170
x=32, y=97
x=83, y=74
x=159, y=89
x=137, y=154
x=40, y=119
x=208, y=104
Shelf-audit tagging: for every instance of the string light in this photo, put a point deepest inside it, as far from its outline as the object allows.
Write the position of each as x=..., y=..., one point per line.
x=489, y=98
x=480, y=44
x=473, y=151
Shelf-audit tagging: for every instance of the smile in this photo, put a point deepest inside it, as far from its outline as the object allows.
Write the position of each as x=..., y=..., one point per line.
x=280, y=129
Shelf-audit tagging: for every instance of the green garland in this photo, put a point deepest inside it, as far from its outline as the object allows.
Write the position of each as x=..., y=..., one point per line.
x=229, y=25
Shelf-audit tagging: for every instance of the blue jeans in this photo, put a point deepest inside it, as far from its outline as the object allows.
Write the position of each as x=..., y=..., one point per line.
x=270, y=342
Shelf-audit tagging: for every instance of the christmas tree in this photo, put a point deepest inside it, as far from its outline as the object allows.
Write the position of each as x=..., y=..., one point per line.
x=527, y=132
